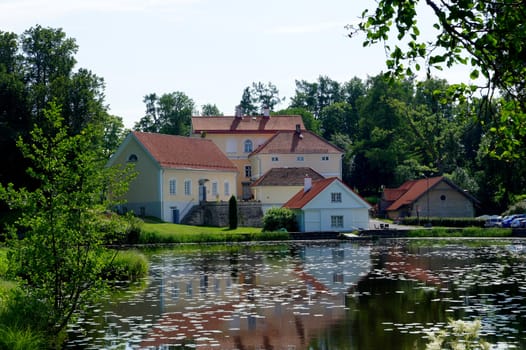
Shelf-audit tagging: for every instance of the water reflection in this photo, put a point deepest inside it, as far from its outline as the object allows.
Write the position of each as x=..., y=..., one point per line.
x=317, y=296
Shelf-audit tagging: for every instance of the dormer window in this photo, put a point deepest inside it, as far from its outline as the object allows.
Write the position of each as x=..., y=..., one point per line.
x=248, y=146
x=132, y=158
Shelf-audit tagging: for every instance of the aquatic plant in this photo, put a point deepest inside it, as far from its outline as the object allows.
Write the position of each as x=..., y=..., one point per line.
x=459, y=335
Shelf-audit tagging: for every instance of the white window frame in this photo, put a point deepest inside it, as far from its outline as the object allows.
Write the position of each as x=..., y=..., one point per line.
x=336, y=197
x=188, y=187
x=275, y=159
x=226, y=188
x=300, y=158
x=248, y=146
x=336, y=221
x=215, y=191
x=231, y=146
x=248, y=171
x=325, y=158
x=172, y=185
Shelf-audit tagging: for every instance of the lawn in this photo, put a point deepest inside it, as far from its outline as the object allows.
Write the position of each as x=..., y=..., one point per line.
x=168, y=229
x=156, y=232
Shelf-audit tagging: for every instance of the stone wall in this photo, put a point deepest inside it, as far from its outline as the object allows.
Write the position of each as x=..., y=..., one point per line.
x=216, y=214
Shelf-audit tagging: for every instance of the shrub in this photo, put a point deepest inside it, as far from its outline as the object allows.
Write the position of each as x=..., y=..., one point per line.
x=126, y=266
x=232, y=213
x=278, y=219
x=23, y=321
x=442, y=221
x=21, y=339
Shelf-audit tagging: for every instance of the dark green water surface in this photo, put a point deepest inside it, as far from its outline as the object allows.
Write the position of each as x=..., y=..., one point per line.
x=316, y=295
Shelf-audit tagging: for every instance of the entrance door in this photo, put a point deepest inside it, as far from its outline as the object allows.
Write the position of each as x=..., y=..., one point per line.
x=175, y=215
x=247, y=194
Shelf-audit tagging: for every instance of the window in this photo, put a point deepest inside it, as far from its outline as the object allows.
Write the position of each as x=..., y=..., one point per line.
x=187, y=187
x=248, y=146
x=324, y=157
x=248, y=171
x=337, y=221
x=300, y=158
x=173, y=187
x=132, y=158
x=227, y=188
x=443, y=197
x=336, y=197
x=275, y=159
x=231, y=146
x=214, y=189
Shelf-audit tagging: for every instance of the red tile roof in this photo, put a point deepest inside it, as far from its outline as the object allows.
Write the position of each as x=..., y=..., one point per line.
x=287, y=177
x=300, y=199
x=410, y=191
x=246, y=124
x=305, y=142
x=172, y=151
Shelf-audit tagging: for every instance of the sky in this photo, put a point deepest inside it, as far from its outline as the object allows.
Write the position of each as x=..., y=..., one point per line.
x=208, y=49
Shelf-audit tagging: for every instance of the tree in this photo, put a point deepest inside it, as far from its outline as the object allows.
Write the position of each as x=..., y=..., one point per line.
x=267, y=95
x=344, y=142
x=168, y=114
x=381, y=142
x=339, y=117
x=114, y=134
x=35, y=68
x=316, y=96
x=311, y=123
x=232, y=213
x=57, y=246
x=488, y=36
x=210, y=110
x=248, y=102
x=259, y=96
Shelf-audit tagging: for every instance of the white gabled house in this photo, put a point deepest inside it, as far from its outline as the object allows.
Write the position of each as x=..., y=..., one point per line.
x=329, y=205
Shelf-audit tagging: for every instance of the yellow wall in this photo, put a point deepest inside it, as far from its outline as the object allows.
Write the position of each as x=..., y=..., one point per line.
x=234, y=148
x=180, y=176
x=234, y=145
x=261, y=163
x=274, y=196
x=183, y=201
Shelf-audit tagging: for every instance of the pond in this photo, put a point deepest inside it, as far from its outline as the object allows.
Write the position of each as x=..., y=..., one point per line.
x=316, y=295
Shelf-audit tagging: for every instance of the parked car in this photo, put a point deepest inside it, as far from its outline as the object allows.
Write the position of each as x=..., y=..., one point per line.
x=507, y=220
x=493, y=221
x=518, y=223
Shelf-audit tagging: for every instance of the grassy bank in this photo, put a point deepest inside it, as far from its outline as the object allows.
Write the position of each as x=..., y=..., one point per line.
x=162, y=233
x=21, y=324
x=458, y=232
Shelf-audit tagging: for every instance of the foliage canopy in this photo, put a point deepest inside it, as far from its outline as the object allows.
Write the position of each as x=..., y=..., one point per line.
x=488, y=36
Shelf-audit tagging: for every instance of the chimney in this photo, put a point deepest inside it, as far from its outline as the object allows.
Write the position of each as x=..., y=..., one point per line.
x=298, y=131
x=307, y=183
x=266, y=112
x=239, y=112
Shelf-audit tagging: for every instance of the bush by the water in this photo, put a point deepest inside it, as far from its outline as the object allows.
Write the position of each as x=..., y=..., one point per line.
x=126, y=266
x=442, y=221
x=276, y=219
x=460, y=232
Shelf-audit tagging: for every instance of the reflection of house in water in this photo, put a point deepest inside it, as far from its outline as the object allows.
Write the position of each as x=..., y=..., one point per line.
x=261, y=304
